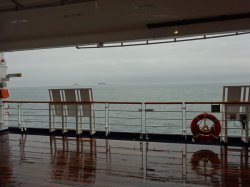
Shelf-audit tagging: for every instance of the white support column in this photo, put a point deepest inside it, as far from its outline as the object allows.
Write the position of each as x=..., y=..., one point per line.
x=4, y=91
x=3, y=70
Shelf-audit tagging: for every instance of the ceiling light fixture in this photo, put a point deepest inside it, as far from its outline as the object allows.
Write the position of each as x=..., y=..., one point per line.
x=176, y=32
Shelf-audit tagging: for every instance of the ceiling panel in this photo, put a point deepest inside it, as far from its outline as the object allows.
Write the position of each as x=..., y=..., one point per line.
x=27, y=24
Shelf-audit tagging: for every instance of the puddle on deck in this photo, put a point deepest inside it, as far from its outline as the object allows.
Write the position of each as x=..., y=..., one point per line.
x=31, y=160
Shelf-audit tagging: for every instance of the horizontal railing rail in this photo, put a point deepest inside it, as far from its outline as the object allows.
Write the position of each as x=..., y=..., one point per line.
x=75, y=102
x=126, y=102
x=199, y=102
x=145, y=118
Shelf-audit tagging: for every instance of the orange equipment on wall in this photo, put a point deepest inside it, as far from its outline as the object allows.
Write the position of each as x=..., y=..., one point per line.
x=4, y=93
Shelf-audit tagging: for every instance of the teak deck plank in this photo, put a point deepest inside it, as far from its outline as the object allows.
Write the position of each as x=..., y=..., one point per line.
x=31, y=160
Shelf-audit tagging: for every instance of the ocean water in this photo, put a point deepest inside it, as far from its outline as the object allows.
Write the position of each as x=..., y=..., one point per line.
x=164, y=119
x=141, y=93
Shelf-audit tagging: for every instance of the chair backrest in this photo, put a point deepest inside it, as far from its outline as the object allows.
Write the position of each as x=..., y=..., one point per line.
x=70, y=95
x=55, y=96
x=234, y=94
x=85, y=95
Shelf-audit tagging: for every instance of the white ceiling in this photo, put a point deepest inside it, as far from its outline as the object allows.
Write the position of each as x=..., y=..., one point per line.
x=28, y=24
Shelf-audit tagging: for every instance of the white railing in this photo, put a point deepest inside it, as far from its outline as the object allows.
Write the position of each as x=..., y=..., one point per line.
x=134, y=117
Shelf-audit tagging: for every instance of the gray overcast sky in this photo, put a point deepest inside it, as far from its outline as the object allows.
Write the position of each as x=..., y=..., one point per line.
x=214, y=60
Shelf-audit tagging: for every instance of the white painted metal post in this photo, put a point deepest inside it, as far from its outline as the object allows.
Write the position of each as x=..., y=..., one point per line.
x=50, y=127
x=92, y=119
x=106, y=119
x=109, y=127
x=145, y=123
x=184, y=122
x=141, y=133
x=20, y=117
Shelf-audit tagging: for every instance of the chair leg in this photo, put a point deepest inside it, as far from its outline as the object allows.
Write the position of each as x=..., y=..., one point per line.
x=81, y=123
x=54, y=123
x=91, y=124
x=77, y=125
x=50, y=127
x=64, y=124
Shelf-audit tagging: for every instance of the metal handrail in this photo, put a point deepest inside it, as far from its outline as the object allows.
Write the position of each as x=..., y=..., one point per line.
x=148, y=119
x=198, y=102
x=129, y=102
x=75, y=102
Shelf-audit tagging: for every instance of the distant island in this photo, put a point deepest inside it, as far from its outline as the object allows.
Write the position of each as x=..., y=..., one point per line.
x=102, y=83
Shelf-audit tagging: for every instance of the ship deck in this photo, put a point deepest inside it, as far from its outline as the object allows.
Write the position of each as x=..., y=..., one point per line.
x=38, y=160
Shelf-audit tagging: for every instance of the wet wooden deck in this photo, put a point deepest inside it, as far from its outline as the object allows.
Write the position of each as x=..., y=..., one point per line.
x=32, y=160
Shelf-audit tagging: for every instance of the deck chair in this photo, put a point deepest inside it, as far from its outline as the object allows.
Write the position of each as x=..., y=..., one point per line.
x=78, y=111
x=232, y=112
x=87, y=110
x=55, y=110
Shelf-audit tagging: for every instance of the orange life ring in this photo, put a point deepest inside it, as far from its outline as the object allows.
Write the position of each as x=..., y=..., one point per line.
x=204, y=133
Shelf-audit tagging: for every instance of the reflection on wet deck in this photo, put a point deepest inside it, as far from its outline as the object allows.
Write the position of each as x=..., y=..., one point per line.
x=28, y=160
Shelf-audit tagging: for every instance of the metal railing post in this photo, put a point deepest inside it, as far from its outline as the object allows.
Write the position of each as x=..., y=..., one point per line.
x=77, y=121
x=106, y=119
x=20, y=116
x=50, y=126
x=92, y=114
x=141, y=133
x=145, y=122
x=109, y=127
x=184, y=122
